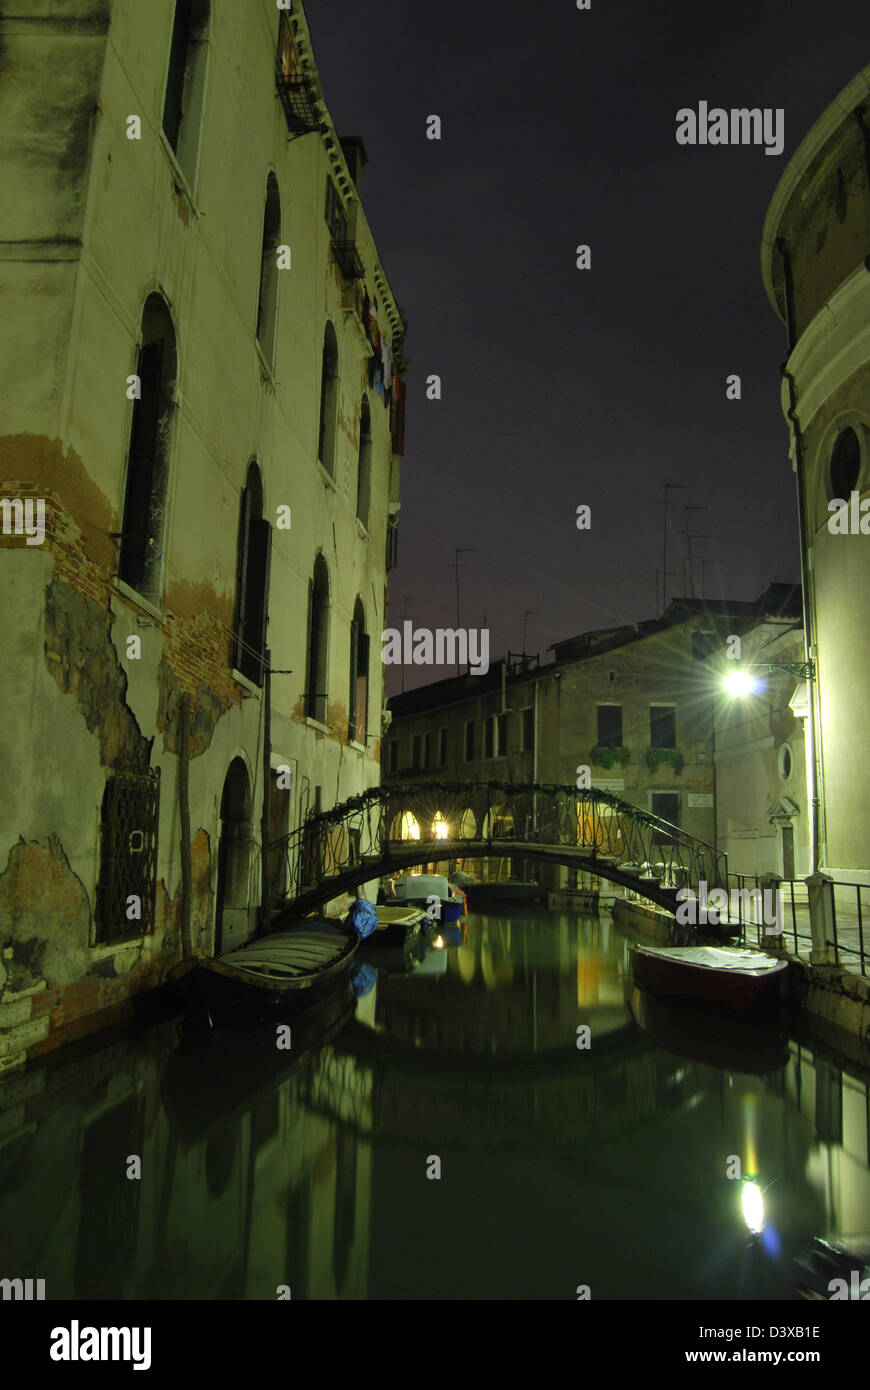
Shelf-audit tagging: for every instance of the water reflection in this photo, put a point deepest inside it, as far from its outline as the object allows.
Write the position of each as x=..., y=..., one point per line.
x=561, y=1165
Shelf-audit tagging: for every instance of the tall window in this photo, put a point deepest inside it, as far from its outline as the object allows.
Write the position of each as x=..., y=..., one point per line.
x=415, y=752
x=610, y=726
x=359, y=676
x=318, y=634
x=364, y=469
x=267, y=303
x=427, y=751
x=528, y=729
x=328, y=401
x=148, y=458
x=662, y=726
x=185, y=83
x=252, y=581
x=442, y=747
x=392, y=755
x=469, y=741
x=489, y=736
x=501, y=732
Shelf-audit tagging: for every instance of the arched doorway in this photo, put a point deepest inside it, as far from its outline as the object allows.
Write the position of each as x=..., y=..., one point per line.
x=232, y=911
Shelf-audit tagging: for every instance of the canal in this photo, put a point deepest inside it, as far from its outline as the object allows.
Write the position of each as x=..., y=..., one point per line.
x=492, y=1124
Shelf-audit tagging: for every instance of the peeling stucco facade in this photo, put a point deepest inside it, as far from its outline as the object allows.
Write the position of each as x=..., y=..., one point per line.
x=100, y=676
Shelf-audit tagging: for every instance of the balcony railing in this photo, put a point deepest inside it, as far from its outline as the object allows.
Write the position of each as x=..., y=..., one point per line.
x=300, y=106
x=349, y=260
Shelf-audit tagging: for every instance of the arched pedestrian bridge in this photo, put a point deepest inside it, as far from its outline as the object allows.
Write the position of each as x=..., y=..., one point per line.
x=387, y=829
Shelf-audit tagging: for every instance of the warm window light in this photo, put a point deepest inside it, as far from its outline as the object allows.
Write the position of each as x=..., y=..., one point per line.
x=738, y=683
x=439, y=827
x=410, y=829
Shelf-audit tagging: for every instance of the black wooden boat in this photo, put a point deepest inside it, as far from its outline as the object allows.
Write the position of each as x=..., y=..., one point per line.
x=834, y=1268
x=272, y=976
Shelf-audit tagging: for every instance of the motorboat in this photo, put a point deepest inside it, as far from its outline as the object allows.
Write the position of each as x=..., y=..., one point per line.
x=494, y=893
x=732, y=976
x=397, y=925
x=269, y=977
x=422, y=890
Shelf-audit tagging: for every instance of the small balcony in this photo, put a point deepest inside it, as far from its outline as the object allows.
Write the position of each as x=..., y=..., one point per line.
x=349, y=260
x=300, y=106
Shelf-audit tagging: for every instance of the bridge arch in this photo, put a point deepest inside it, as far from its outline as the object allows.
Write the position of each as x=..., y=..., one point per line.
x=386, y=829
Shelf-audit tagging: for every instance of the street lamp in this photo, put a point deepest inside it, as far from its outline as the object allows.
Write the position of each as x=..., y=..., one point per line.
x=739, y=683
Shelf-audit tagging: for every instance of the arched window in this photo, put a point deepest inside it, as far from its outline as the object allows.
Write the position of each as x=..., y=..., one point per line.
x=185, y=83
x=358, y=699
x=364, y=470
x=328, y=401
x=318, y=634
x=148, y=458
x=252, y=581
x=267, y=303
x=845, y=464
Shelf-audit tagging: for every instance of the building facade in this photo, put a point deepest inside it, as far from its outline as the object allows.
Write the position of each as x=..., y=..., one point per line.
x=629, y=710
x=816, y=269
x=199, y=473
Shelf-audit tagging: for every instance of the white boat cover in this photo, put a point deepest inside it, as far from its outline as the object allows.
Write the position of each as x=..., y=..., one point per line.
x=422, y=886
x=742, y=959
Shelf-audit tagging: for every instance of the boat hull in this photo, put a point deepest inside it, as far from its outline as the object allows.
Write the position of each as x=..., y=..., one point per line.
x=274, y=977
x=484, y=894
x=673, y=978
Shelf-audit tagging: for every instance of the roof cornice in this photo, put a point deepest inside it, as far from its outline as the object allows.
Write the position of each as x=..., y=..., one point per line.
x=840, y=109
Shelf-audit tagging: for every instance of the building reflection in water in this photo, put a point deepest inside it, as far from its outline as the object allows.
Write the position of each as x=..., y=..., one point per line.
x=312, y=1176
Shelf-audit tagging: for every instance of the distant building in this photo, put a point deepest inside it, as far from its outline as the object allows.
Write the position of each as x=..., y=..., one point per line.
x=816, y=267
x=203, y=411
x=630, y=708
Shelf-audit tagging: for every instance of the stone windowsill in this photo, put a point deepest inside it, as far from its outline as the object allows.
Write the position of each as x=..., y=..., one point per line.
x=246, y=683
x=326, y=477
x=316, y=724
x=133, y=943
x=266, y=369
x=178, y=173
x=362, y=530
x=133, y=596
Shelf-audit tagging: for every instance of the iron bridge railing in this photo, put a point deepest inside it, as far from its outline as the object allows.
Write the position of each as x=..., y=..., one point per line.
x=386, y=823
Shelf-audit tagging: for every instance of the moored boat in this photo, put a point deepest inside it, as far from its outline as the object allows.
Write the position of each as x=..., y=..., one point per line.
x=834, y=1268
x=482, y=895
x=271, y=976
x=421, y=890
x=397, y=925
x=735, y=977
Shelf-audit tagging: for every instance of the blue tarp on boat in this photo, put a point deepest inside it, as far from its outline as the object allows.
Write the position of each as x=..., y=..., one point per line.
x=362, y=917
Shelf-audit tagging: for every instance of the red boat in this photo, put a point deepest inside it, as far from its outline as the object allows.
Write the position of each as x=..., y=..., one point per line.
x=734, y=976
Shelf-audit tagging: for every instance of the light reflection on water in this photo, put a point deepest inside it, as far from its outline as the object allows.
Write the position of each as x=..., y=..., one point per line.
x=561, y=1164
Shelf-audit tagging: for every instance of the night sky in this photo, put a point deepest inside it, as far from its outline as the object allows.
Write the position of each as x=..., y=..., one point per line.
x=564, y=387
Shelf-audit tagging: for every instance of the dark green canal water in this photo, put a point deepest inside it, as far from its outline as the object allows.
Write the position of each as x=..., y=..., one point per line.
x=448, y=1140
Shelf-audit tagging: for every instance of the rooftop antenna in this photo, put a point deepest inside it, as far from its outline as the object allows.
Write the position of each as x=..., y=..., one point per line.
x=460, y=550
x=665, y=572
x=689, y=587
